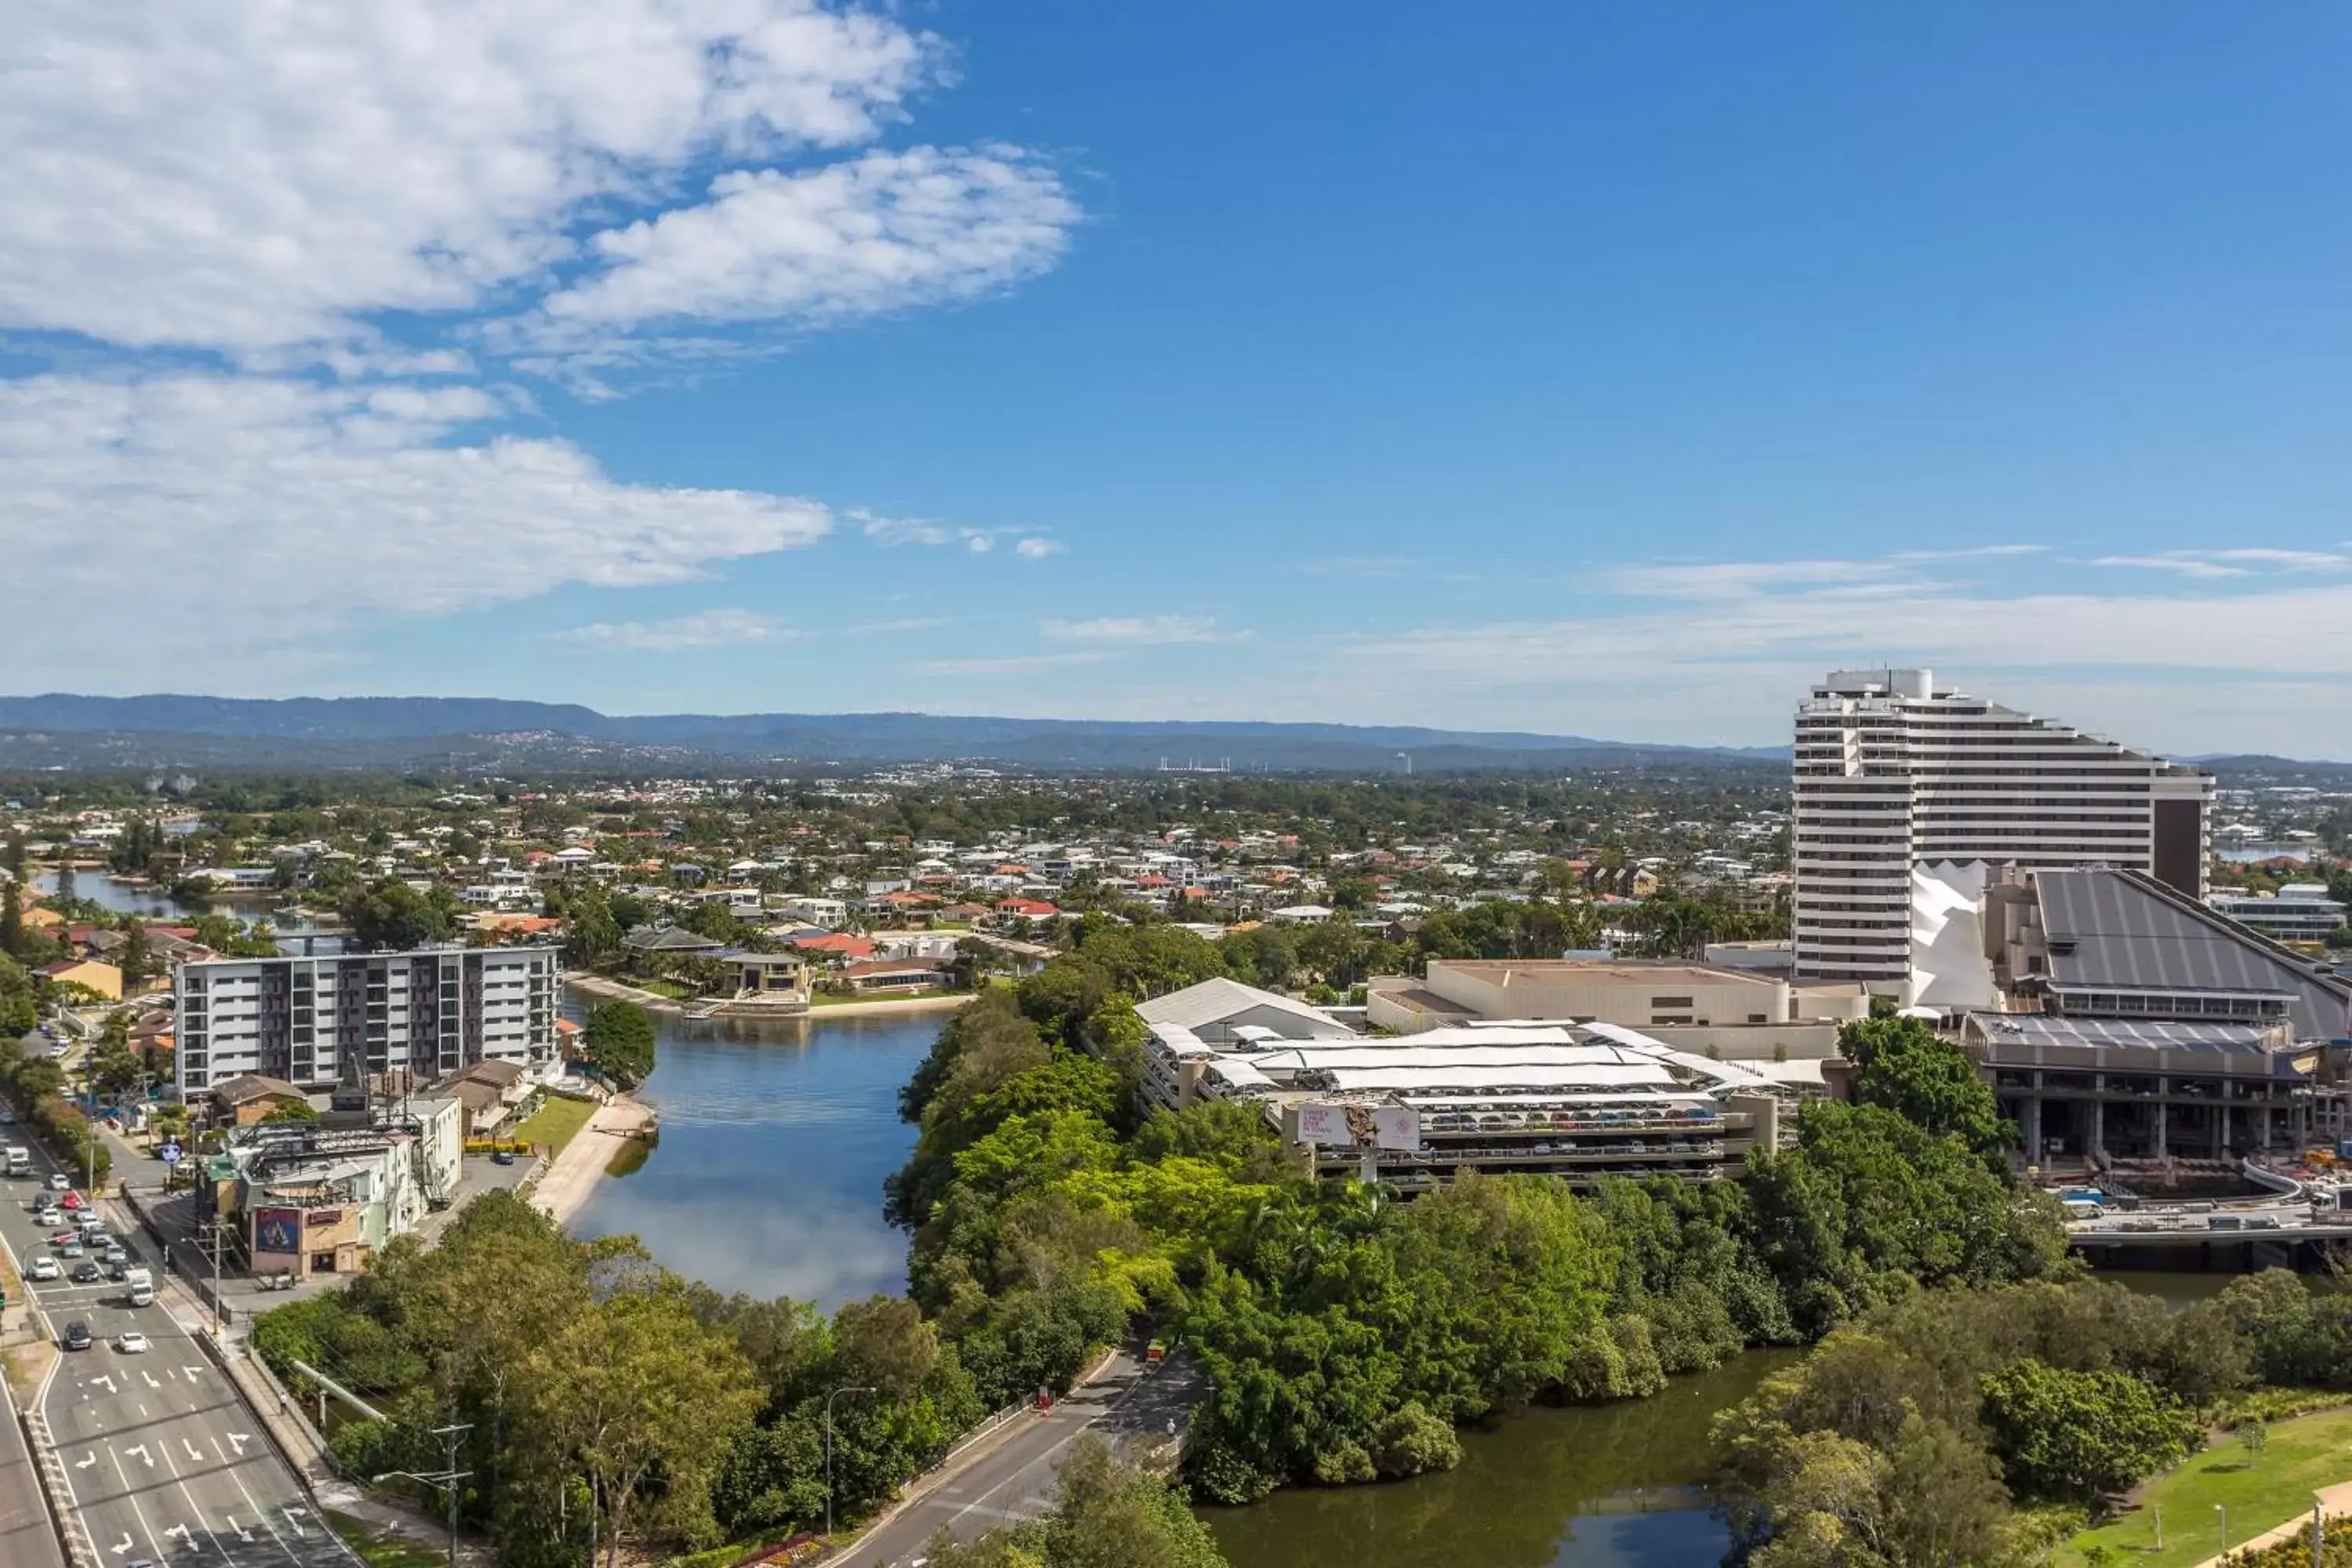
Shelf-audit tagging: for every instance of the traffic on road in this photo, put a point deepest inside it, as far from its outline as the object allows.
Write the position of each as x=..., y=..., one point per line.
x=162, y=1458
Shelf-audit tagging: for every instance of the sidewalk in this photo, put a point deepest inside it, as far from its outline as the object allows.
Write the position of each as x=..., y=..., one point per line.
x=2334, y=1502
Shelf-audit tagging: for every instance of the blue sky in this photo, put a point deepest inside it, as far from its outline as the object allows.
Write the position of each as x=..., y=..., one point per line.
x=1595, y=368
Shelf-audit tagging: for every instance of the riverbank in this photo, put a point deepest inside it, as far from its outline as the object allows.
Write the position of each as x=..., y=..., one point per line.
x=613, y=990
x=571, y=1176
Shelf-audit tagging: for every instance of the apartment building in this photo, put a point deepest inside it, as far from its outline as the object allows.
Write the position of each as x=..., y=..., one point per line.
x=1892, y=773
x=315, y=1022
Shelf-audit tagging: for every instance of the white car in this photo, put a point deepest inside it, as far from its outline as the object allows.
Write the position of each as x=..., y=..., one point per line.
x=59, y=1181
x=133, y=1343
x=41, y=1269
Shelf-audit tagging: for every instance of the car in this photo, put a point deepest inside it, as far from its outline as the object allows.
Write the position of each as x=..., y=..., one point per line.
x=76, y=1335
x=59, y=1237
x=41, y=1269
x=72, y=1202
x=502, y=1157
x=50, y=1218
x=59, y=1181
x=87, y=1273
x=133, y=1343
x=72, y=1250
x=117, y=1255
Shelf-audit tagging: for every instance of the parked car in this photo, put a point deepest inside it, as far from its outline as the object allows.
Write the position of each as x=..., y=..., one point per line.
x=76, y=1335
x=59, y=1181
x=49, y=1217
x=72, y=1201
x=41, y=1269
x=117, y=1255
x=502, y=1157
x=133, y=1343
x=87, y=1273
x=72, y=1250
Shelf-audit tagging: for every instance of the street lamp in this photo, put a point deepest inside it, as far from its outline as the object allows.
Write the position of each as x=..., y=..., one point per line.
x=828, y=1447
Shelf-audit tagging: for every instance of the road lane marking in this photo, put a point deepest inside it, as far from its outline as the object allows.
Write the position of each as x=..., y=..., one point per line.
x=124, y=1546
x=150, y=1377
x=193, y=1507
x=237, y=1440
x=87, y=1461
x=141, y=1451
x=242, y=1533
x=194, y=1454
x=262, y=1516
x=291, y=1514
x=192, y=1372
x=132, y=1497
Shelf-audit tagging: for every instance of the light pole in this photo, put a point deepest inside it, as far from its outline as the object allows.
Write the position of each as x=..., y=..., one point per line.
x=828, y=1448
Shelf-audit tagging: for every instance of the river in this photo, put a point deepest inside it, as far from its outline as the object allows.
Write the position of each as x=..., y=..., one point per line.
x=152, y=903
x=775, y=1137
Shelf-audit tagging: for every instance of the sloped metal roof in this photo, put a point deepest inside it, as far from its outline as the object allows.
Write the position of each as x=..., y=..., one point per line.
x=2117, y=929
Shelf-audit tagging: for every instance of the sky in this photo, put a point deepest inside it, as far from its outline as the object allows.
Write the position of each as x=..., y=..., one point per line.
x=1589, y=368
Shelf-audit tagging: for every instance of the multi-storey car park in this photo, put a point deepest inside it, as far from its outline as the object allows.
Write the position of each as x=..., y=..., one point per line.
x=1891, y=774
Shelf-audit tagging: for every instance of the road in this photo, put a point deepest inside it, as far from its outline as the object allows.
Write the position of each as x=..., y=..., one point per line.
x=27, y=1538
x=1010, y=1475
x=162, y=1458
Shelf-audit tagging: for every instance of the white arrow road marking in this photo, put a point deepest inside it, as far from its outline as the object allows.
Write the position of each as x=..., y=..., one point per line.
x=261, y=1515
x=150, y=1377
x=106, y=1378
x=181, y=1531
x=124, y=1546
x=191, y=1372
x=237, y=1440
x=193, y=1507
x=143, y=1453
x=242, y=1533
x=294, y=1517
x=194, y=1453
x=87, y=1461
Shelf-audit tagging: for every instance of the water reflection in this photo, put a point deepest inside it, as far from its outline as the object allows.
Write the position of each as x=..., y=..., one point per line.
x=1608, y=1486
x=775, y=1137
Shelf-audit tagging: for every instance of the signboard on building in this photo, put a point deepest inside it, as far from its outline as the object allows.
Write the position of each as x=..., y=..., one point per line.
x=278, y=1230
x=1396, y=1127
x=1324, y=1124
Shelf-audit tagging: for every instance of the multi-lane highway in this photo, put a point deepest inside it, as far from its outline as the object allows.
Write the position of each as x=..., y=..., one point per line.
x=162, y=1458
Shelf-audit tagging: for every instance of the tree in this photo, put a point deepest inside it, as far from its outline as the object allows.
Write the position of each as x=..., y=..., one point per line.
x=391, y=914
x=2081, y=1435
x=635, y=1390
x=12, y=922
x=293, y=1110
x=1908, y=1069
x=619, y=1043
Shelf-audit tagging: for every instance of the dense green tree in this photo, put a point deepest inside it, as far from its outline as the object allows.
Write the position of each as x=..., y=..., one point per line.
x=2081, y=1435
x=1909, y=1068
x=617, y=1040
x=391, y=914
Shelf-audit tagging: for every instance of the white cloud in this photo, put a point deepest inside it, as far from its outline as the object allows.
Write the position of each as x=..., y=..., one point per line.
x=258, y=187
x=878, y=232
x=1017, y=664
x=1739, y=579
x=247, y=517
x=254, y=173
x=2240, y=562
x=1143, y=631
x=705, y=628
x=893, y=531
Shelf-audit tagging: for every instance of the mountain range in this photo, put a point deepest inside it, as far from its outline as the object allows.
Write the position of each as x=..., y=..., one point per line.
x=61, y=729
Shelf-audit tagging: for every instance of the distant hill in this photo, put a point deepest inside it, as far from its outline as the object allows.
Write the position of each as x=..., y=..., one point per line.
x=61, y=729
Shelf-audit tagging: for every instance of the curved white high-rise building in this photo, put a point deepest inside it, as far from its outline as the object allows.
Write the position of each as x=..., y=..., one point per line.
x=1892, y=773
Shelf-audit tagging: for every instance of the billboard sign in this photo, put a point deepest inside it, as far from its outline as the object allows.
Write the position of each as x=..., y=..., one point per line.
x=278, y=1230
x=1324, y=1124
x=1396, y=1127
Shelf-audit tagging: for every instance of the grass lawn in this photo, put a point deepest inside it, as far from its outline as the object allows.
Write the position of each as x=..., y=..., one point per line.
x=556, y=1122
x=380, y=1550
x=825, y=999
x=2259, y=1490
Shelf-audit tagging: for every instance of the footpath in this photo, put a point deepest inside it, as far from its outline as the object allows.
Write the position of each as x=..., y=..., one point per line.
x=564, y=1187
x=2335, y=1504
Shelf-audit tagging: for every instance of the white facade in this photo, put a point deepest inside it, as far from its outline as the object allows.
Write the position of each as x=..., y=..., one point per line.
x=319, y=1021
x=1892, y=773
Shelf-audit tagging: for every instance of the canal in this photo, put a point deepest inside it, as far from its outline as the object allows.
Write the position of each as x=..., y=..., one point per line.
x=775, y=1137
